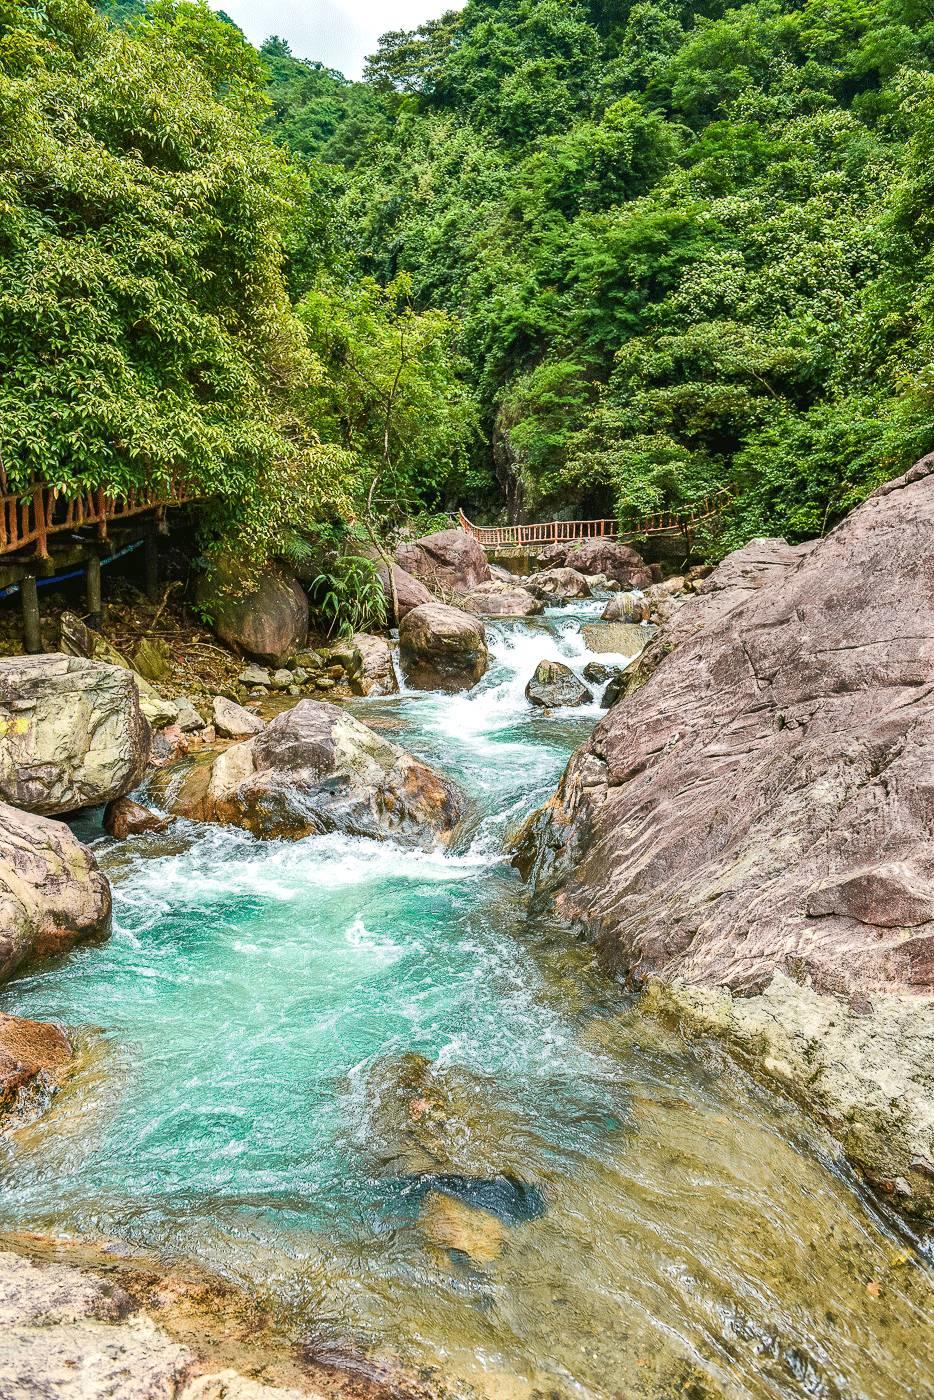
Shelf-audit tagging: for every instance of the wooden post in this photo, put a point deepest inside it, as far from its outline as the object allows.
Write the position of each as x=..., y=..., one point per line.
x=151, y=554
x=32, y=630
x=93, y=585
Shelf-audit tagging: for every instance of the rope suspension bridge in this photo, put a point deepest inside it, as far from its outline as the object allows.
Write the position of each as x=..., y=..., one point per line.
x=666, y=522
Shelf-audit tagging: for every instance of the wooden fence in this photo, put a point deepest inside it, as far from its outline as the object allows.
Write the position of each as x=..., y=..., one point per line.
x=576, y=531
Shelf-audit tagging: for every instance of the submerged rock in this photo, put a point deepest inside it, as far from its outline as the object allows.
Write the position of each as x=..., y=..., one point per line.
x=72, y=733
x=451, y=1225
x=450, y=561
x=316, y=769
x=554, y=685
x=778, y=752
x=52, y=894
x=33, y=1058
x=558, y=585
x=442, y=648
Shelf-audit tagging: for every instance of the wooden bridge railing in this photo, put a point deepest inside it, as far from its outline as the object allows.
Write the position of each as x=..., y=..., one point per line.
x=573, y=531
x=30, y=517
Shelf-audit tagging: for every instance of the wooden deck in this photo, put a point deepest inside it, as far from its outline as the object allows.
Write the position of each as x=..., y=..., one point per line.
x=28, y=519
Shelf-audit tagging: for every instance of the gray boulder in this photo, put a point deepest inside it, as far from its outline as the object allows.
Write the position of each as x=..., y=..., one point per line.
x=72, y=733
x=52, y=894
x=555, y=685
x=496, y=599
x=316, y=769
x=442, y=648
x=558, y=585
x=232, y=721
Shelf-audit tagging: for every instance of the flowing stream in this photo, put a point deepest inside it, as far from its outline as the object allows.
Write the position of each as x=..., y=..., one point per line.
x=667, y=1229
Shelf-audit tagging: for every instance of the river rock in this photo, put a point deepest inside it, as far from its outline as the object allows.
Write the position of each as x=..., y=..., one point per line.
x=618, y=562
x=449, y=562
x=316, y=769
x=616, y=638
x=558, y=585
x=377, y=674
x=598, y=674
x=33, y=1058
x=410, y=593
x=442, y=648
x=232, y=721
x=268, y=619
x=72, y=733
x=778, y=754
x=627, y=607
x=52, y=894
x=452, y=1225
x=497, y=599
x=125, y=818
x=555, y=685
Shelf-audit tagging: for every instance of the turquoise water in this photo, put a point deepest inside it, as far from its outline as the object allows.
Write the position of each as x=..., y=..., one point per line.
x=687, y=1229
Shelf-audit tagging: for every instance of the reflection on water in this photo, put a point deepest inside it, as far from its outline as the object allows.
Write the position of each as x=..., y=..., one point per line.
x=633, y=1218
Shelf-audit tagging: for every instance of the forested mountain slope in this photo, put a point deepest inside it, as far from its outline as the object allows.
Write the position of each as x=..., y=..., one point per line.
x=615, y=254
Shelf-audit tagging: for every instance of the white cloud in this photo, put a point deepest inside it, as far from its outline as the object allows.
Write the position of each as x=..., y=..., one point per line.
x=339, y=33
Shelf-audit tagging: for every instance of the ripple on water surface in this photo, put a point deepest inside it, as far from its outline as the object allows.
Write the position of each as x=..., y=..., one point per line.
x=663, y=1228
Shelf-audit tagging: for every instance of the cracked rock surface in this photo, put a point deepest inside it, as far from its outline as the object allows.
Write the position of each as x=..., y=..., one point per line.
x=761, y=802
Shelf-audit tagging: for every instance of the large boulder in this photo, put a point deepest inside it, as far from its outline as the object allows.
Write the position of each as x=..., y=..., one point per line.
x=442, y=648
x=780, y=755
x=409, y=592
x=618, y=562
x=449, y=562
x=377, y=674
x=497, y=599
x=554, y=685
x=72, y=733
x=52, y=894
x=316, y=769
x=267, y=619
x=558, y=585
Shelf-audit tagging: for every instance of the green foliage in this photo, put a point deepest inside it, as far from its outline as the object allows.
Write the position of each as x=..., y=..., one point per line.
x=348, y=596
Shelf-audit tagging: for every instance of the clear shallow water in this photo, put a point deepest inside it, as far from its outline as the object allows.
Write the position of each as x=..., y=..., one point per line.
x=691, y=1235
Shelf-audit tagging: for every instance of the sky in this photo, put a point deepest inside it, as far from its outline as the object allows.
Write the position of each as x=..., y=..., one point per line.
x=339, y=33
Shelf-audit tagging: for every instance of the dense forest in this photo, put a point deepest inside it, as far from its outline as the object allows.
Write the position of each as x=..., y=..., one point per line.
x=551, y=256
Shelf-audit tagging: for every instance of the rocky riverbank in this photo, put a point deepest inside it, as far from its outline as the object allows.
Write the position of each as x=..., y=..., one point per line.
x=751, y=825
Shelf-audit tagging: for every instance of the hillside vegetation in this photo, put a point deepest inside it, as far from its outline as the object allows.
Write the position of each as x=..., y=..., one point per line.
x=556, y=256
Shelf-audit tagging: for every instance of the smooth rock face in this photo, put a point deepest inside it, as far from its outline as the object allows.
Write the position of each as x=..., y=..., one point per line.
x=410, y=593
x=232, y=721
x=316, y=769
x=125, y=818
x=442, y=648
x=496, y=599
x=555, y=684
x=779, y=758
x=616, y=638
x=32, y=1058
x=72, y=733
x=52, y=894
x=558, y=585
x=377, y=675
x=269, y=621
x=451, y=561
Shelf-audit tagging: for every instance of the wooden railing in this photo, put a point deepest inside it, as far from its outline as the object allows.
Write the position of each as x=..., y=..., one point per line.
x=575, y=531
x=30, y=517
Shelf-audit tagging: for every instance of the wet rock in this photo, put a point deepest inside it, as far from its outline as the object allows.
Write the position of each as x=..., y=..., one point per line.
x=72, y=733
x=232, y=721
x=409, y=592
x=268, y=620
x=598, y=674
x=451, y=1225
x=125, y=818
x=627, y=607
x=558, y=585
x=555, y=685
x=33, y=1058
x=377, y=673
x=316, y=769
x=450, y=561
x=497, y=599
x=794, y=692
x=442, y=648
x=52, y=893
x=436, y=1121
x=255, y=675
